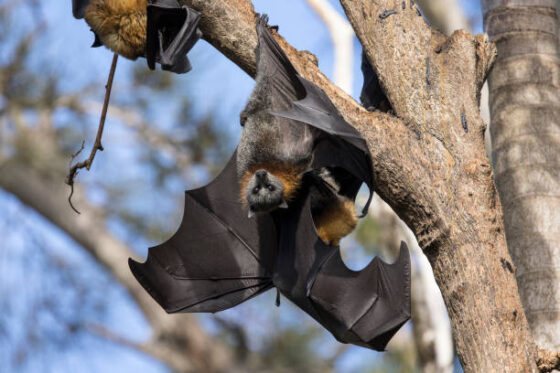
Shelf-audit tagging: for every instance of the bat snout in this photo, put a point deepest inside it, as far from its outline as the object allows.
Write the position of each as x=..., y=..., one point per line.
x=261, y=176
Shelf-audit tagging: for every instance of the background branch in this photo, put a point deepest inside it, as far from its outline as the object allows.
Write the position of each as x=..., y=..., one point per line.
x=342, y=36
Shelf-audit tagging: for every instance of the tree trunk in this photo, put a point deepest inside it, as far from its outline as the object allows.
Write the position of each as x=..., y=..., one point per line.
x=429, y=160
x=525, y=109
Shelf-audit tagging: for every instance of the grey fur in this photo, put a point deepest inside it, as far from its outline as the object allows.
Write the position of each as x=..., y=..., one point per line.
x=268, y=139
x=271, y=140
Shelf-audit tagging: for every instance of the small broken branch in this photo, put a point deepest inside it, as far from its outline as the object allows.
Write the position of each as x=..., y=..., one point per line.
x=97, y=145
x=547, y=361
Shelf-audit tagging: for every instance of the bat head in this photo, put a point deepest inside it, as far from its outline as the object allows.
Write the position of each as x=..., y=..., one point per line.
x=264, y=192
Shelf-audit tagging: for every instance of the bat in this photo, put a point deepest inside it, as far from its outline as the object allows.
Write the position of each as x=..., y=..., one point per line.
x=219, y=257
x=163, y=31
x=372, y=96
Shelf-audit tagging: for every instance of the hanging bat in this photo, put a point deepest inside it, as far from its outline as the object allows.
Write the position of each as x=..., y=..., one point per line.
x=163, y=31
x=220, y=257
x=372, y=96
x=276, y=150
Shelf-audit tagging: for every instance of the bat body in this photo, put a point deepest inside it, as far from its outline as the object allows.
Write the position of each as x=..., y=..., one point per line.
x=161, y=30
x=220, y=257
x=275, y=152
x=278, y=146
x=334, y=214
x=120, y=25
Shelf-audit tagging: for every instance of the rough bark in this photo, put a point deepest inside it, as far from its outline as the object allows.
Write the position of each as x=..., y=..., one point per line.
x=429, y=161
x=525, y=109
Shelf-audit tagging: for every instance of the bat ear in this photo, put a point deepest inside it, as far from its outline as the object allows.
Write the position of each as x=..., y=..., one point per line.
x=251, y=214
x=283, y=205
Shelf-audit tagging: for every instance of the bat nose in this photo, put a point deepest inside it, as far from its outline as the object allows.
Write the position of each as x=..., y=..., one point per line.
x=261, y=175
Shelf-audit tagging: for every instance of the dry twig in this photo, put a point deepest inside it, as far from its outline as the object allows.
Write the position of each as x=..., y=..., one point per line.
x=97, y=145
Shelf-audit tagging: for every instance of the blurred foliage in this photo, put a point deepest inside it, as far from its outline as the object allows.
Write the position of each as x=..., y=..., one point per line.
x=368, y=234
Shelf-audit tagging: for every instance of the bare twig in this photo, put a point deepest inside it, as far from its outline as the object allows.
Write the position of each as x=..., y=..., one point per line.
x=72, y=184
x=97, y=145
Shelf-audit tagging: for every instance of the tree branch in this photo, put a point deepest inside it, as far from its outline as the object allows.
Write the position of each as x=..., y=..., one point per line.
x=97, y=144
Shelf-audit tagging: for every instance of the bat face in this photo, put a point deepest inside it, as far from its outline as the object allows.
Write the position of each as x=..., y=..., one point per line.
x=264, y=191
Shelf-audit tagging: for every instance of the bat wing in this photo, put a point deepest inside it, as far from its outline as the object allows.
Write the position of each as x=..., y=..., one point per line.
x=364, y=307
x=172, y=30
x=79, y=8
x=371, y=304
x=218, y=257
x=337, y=144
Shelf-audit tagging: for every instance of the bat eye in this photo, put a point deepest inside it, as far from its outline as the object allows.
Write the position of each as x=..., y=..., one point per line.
x=270, y=187
x=255, y=190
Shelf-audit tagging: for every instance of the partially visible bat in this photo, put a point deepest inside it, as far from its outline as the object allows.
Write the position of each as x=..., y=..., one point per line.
x=219, y=257
x=161, y=30
x=372, y=96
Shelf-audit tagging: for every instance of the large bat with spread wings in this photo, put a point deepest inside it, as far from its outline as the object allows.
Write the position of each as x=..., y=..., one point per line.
x=219, y=257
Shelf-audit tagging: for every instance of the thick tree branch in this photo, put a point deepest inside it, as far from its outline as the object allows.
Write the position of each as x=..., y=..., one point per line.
x=525, y=108
x=430, y=166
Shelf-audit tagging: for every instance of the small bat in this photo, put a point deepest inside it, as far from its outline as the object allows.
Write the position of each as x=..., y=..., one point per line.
x=219, y=257
x=372, y=96
x=161, y=30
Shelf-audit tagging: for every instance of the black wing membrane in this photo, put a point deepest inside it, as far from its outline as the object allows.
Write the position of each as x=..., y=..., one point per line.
x=274, y=66
x=364, y=307
x=172, y=30
x=218, y=257
x=372, y=96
